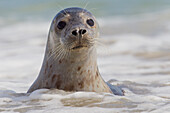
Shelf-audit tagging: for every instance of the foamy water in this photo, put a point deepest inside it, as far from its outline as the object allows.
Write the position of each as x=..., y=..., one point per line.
x=135, y=55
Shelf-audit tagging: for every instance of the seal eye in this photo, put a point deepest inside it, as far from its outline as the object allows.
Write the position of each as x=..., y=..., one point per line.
x=61, y=25
x=90, y=22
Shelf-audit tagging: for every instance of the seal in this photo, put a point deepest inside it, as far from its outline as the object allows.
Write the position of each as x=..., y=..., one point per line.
x=70, y=61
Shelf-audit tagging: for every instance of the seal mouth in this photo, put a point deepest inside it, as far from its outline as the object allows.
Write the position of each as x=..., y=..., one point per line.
x=78, y=47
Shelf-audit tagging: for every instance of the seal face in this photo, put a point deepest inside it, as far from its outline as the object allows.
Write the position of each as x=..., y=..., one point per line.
x=76, y=28
x=70, y=61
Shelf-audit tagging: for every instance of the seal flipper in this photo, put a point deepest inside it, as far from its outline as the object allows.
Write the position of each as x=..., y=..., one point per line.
x=116, y=90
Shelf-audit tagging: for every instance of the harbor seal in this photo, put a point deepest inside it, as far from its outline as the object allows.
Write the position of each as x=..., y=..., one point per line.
x=70, y=61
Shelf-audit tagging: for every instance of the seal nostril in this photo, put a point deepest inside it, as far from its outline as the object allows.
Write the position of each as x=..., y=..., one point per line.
x=74, y=32
x=82, y=31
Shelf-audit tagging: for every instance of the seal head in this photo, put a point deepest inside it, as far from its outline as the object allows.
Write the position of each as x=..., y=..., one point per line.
x=75, y=28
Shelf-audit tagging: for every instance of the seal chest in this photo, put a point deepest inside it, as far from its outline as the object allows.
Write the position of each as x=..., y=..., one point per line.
x=70, y=61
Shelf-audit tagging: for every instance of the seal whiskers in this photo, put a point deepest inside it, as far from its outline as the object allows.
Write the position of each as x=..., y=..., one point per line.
x=55, y=51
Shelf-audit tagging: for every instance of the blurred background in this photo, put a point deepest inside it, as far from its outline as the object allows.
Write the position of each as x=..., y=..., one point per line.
x=135, y=31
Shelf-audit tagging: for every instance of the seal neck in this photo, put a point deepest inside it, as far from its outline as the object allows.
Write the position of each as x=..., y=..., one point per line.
x=72, y=65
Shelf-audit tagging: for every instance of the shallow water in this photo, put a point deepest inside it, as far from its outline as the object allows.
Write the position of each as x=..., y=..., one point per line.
x=134, y=54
